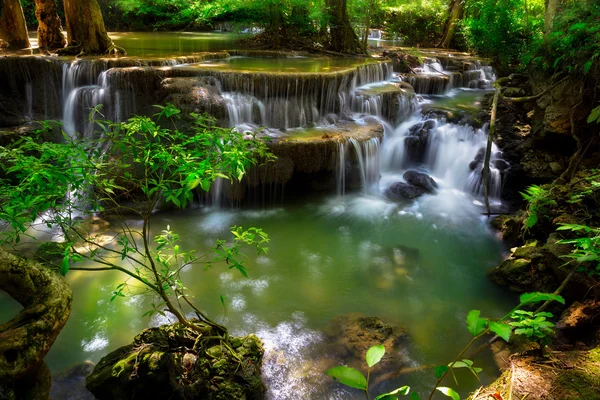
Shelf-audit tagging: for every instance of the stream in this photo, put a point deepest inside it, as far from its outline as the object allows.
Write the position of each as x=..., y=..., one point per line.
x=418, y=265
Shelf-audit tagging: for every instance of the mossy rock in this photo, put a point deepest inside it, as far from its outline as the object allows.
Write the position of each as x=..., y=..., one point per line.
x=168, y=362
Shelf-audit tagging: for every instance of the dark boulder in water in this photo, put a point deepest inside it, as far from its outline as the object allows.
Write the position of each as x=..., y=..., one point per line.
x=421, y=180
x=403, y=191
x=501, y=165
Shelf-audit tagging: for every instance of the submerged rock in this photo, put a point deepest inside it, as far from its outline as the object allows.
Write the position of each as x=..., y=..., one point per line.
x=353, y=334
x=403, y=191
x=421, y=180
x=170, y=362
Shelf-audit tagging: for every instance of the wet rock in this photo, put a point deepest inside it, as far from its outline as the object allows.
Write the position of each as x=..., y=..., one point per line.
x=510, y=227
x=556, y=167
x=70, y=385
x=354, y=334
x=421, y=180
x=539, y=267
x=167, y=362
x=417, y=140
x=403, y=191
x=501, y=165
x=196, y=95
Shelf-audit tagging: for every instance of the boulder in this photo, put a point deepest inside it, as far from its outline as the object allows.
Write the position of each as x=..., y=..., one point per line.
x=354, y=334
x=421, y=180
x=403, y=191
x=171, y=362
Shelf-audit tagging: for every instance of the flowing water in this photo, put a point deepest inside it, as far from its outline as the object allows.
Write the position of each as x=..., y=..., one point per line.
x=418, y=265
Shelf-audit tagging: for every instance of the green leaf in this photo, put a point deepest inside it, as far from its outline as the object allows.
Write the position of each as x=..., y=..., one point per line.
x=536, y=297
x=415, y=396
x=374, y=355
x=348, y=376
x=64, y=267
x=501, y=330
x=594, y=115
x=449, y=392
x=393, y=395
x=475, y=324
x=440, y=370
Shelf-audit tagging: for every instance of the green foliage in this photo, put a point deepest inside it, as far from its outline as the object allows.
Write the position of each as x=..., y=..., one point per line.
x=532, y=325
x=416, y=23
x=138, y=161
x=586, y=249
x=502, y=30
x=539, y=202
x=574, y=43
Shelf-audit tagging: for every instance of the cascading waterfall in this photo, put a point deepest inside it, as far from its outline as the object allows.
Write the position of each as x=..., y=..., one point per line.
x=282, y=101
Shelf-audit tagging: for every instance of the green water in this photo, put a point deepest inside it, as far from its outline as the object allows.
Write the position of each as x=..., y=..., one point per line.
x=327, y=258
x=169, y=44
x=291, y=65
x=458, y=99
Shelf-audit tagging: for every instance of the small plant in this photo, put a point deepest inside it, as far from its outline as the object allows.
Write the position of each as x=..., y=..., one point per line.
x=539, y=200
x=586, y=248
x=355, y=379
x=533, y=325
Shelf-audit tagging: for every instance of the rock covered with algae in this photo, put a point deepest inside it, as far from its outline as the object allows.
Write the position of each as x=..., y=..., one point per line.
x=173, y=362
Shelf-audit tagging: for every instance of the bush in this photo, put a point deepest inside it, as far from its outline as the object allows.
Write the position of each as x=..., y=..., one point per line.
x=417, y=24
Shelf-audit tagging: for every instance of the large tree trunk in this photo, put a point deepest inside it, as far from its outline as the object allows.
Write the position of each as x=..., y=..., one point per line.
x=46, y=298
x=50, y=34
x=343, y=37
x=456, y=11
x=13, y=29
x=86, y=32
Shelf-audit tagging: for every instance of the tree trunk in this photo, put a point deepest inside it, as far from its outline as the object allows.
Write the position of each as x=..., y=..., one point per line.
x=456, y=11
x=13, y=29
x=551, y=9
x=50, y=34
x=365, y=39
x=343, y=37
x=85, y=27
x=46, y=298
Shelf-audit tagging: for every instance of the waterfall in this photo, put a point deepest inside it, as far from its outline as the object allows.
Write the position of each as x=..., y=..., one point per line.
x=375, y=34
x=341, y=169
x=452, y=153
x=367, y=157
